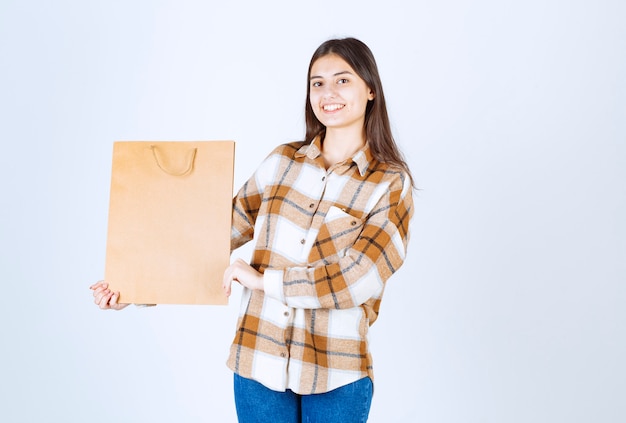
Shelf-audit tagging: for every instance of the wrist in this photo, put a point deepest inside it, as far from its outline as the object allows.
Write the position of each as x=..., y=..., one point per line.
x=273, y=284
x=260, y=283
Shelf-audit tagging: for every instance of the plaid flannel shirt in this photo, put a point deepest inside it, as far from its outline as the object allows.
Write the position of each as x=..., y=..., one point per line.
x=326, y=242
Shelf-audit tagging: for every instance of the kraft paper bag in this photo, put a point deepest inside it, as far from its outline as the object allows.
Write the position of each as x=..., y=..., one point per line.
x=168, y=238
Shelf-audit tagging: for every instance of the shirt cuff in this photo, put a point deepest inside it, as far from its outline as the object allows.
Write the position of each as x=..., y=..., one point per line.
x=273, y=284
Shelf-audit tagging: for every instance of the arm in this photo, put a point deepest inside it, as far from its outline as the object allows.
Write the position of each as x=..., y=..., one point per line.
x=246, y=205
x=248, y=200
x=360, y=274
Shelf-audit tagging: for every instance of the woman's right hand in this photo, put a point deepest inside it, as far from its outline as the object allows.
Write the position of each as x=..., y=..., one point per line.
x=105, y=298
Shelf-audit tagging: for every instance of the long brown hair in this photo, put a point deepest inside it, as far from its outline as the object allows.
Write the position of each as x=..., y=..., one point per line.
x=377, y=126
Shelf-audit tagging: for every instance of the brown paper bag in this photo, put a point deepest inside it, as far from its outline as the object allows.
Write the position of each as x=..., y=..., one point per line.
x=169, y=224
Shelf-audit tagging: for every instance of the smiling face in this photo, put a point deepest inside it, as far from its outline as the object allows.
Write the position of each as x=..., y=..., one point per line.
x=338, y=96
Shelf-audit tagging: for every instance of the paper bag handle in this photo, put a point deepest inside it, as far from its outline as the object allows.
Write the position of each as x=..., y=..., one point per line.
x=192, y=158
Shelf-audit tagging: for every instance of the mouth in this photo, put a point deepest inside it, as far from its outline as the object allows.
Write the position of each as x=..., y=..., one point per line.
x=332, y=107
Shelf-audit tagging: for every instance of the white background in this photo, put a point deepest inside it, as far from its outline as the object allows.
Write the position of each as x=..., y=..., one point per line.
x=512, y=114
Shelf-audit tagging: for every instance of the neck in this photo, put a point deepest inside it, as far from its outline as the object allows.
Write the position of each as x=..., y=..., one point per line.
x=339, y=145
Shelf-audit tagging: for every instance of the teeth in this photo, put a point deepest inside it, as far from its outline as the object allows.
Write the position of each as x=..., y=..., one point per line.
x=332, y=107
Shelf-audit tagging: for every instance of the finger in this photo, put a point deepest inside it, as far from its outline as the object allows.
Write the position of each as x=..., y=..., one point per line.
x=98, y=284
x=104, y=301
x=113, y=302
x=228, y=277
x=99, y=293
x=226, y=283
x=97, y=296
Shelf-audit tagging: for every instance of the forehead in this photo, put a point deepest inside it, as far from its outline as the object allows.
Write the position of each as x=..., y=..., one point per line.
x=329, y=65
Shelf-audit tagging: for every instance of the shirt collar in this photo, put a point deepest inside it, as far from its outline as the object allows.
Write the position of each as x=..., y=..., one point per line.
x=361, y=158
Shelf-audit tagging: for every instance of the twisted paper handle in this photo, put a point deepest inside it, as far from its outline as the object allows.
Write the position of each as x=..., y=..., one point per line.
x=192, y=158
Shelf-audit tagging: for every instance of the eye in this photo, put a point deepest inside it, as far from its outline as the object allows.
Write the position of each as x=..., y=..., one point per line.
x=343, y=81
x=316, y=84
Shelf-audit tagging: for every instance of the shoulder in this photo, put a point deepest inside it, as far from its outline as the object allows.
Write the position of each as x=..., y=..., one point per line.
x=288, y=150
x=277, y=161
x=393, y=176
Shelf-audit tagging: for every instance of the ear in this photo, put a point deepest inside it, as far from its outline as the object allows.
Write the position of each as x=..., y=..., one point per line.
x=371, y=95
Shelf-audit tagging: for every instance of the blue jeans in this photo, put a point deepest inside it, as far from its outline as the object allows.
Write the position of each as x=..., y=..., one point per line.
x=257, y=404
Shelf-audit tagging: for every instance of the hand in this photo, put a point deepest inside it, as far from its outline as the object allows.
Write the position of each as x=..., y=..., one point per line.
x=242, y=272
x=105, y=298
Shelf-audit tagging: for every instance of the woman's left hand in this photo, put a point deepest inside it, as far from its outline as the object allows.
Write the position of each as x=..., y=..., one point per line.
x=242, y=272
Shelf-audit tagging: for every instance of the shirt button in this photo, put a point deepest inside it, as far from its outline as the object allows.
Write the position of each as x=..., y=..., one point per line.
x=286, y=314
x=302, y=241
x=283, y=355
x=311, y=205
x=323, y=178
x=353, y=222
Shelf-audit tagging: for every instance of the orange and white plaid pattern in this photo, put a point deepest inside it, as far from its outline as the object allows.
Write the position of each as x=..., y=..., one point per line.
x=326, y=242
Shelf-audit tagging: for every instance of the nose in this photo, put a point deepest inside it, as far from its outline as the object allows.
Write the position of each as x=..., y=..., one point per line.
x=328, y=91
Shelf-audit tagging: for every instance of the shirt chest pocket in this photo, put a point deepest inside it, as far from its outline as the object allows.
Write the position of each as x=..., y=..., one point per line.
x=339, y=231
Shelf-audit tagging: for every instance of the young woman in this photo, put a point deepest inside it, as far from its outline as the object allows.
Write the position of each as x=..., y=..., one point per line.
x=329, y=217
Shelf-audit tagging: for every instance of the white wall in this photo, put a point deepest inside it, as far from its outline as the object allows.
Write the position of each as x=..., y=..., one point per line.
x=512, y=115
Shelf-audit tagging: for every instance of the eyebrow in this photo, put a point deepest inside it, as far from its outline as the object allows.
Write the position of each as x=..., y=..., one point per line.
x=337, y=74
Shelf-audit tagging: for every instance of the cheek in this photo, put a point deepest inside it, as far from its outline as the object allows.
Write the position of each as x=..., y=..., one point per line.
x=313, y=99
x=314, y=102
x=319, y=116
